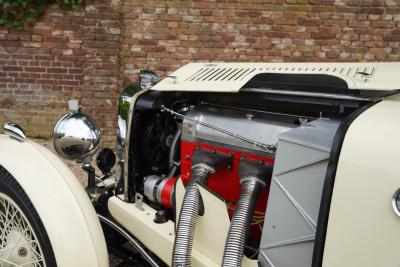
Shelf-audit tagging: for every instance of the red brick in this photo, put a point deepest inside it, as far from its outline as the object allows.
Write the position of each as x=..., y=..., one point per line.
x=371, y=10
x=322, y=2
x=383, y=24
x=91, y=54
x=310, y=22
x=34, y=69
x=12, y=68
x=323, y=35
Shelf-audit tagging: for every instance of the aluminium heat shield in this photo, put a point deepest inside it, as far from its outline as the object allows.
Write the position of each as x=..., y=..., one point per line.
x=295, y=194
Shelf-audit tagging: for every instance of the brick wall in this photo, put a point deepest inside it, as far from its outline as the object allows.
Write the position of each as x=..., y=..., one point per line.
x=90, y=53
x=68, y=54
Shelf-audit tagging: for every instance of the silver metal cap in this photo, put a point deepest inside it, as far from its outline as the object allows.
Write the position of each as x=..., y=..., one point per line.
x=14, y=131
x=75, y=136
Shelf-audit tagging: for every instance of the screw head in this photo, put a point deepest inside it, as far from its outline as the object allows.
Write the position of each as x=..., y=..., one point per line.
x=22, y=252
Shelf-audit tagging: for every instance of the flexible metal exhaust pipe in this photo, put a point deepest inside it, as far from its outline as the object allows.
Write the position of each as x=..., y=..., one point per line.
x=188, y=215
x=203, y=165
x=253, y=177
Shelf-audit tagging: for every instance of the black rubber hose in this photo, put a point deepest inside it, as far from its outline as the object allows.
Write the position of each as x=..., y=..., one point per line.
x=240, y=224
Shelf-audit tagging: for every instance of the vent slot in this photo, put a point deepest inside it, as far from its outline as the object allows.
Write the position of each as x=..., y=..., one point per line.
x=241, y=74
x=229, y=73
x=218, y=73
x=204, y=74
x=247, y=74
x=225, y=72
x=233, y=76
x=211, y=74
x=194, y=76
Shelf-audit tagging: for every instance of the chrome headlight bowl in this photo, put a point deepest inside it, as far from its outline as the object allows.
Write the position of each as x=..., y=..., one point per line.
x=75, y=136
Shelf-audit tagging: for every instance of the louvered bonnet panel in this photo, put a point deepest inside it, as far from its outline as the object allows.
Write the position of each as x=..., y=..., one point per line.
x=231, y=77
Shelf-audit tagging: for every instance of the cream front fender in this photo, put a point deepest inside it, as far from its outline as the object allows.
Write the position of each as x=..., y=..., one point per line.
x=67, y=214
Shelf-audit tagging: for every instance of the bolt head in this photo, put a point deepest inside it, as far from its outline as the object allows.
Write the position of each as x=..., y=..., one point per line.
x=22, y=252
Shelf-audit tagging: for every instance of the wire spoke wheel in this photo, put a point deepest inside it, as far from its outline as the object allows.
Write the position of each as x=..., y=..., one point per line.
x=19, y=245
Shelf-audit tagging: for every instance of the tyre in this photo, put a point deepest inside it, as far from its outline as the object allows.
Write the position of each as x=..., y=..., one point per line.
x=23, y=238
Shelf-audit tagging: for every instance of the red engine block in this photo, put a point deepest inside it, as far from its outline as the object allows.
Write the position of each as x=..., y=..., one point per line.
x=225, y=183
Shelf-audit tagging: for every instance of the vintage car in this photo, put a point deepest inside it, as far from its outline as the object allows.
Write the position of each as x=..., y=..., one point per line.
x=223, y=164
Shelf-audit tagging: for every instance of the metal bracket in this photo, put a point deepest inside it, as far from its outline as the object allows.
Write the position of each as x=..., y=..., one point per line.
x=139, y=201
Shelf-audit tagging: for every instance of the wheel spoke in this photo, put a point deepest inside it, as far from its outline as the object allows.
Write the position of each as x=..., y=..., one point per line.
x=16, y=232
x=9, y=262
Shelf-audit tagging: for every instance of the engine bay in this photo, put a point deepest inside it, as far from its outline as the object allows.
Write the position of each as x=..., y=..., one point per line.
x=264, y=156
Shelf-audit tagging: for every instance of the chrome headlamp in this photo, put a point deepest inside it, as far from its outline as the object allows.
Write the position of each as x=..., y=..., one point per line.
x=75, y=136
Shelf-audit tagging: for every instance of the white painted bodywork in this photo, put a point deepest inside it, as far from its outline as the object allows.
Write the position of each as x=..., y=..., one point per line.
x=210, y=235
x=231, y=77
x=363, y=229
x=62, y=204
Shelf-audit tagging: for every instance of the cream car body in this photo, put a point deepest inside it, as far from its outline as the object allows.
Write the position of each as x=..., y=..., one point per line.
x=363, y=228
x=67, y=213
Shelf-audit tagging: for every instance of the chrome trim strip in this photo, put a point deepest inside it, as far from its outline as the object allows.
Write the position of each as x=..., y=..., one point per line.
x=130, y=239
x=309, y=94
x=127, y=141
